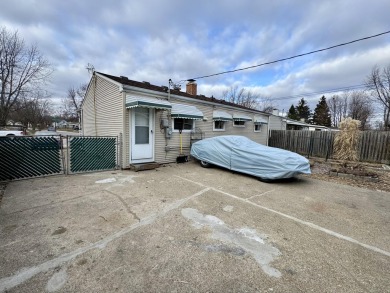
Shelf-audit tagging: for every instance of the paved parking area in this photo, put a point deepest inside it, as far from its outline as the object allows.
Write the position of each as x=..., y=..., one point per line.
x=182, y=228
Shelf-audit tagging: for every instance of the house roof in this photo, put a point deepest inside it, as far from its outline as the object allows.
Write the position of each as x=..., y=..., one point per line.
x=294, y=122
x=163, y=89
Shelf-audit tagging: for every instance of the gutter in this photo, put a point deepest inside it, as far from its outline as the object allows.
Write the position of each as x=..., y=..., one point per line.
x=168, y=96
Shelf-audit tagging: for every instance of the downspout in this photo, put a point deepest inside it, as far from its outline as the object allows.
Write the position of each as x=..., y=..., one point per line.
x=268, y=130
x=94, y=105
x=82, y=122
x=168, y=117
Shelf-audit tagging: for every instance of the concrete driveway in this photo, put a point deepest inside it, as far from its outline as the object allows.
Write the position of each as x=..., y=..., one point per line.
x=182, y=228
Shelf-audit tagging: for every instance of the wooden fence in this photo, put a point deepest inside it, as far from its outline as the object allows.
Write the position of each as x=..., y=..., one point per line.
x=374, y=146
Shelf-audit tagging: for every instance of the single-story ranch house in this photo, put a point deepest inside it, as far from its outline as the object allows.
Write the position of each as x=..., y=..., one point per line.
x=150, y=118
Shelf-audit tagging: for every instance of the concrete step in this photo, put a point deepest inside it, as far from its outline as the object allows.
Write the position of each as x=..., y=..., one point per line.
x=144, y=166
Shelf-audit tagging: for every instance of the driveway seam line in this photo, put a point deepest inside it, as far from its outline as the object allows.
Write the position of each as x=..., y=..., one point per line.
x=261, y=194
x=27, y=273
x=309, y=224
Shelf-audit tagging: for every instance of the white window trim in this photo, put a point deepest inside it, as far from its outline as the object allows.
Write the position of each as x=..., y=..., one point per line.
x=217, y=129
x=184, y=130
x=240, y=126
x=254, y=128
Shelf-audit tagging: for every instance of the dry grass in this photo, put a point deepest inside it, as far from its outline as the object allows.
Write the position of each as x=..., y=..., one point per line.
x=346, y=141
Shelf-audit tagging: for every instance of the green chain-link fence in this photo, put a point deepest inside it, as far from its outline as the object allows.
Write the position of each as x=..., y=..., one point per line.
x=90, y=153
x=25, y=157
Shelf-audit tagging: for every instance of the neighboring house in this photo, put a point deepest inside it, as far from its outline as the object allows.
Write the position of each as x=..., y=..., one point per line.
x=62, y=124
x=300, y=125
x=150, y=118
x=277, y=122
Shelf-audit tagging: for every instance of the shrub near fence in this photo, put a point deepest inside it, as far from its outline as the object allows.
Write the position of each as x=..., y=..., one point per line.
x=374, y=146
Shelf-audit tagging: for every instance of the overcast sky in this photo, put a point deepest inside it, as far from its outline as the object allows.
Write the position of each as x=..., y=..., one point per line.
x=157, y=40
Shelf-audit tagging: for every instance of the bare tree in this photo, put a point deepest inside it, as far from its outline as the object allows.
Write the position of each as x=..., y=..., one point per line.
x=338, y=106
x=379, y=84
x=33, y=110
x=360, y=108
x=22, y=69
x=247, y=98
x=72, y=102
x=265, y=104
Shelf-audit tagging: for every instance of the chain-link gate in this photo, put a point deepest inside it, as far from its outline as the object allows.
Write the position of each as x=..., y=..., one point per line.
x=92, y=153
x=27, y=156
x=24, y=157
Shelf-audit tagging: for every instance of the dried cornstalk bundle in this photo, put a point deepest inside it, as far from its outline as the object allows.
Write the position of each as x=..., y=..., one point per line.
x=346, y=141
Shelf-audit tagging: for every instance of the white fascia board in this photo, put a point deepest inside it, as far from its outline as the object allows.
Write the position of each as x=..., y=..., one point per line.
x=217, y=104
x=128, y=88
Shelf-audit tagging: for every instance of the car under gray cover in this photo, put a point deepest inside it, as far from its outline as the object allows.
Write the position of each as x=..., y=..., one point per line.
x=241, y=154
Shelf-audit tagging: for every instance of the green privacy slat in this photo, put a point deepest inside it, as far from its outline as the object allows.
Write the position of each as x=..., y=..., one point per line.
x=23, y=157
x=92, y=153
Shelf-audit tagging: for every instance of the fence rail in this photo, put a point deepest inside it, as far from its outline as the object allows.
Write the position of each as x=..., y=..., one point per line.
x=374, y=146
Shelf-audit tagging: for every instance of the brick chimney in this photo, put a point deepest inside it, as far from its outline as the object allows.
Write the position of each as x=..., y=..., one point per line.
x=191, y=87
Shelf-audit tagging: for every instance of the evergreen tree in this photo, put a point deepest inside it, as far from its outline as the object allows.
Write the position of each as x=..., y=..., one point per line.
x=321, y=113
x=303, y=110
x=292, y=113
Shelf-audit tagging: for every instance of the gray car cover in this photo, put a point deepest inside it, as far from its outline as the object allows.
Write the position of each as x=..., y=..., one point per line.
x=241, y=154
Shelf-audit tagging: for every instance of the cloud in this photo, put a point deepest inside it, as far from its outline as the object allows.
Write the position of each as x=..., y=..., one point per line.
x=156, y=40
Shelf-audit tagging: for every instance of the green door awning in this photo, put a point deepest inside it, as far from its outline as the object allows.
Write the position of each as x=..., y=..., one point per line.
x=146, y=102
x=186, y=112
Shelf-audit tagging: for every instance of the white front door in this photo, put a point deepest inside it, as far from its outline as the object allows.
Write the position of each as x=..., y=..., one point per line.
x=142, y=135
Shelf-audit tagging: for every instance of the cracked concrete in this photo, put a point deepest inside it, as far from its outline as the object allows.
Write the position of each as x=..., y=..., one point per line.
x=71, y=234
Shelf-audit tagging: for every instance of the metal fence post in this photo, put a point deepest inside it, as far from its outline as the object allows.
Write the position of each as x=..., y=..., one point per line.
x=119, y=151
x=68, y=155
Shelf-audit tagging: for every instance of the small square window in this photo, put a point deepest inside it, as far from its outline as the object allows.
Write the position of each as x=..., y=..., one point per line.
x=219, y=126
x=239, y=123
x=185, y=124
x=257, y=128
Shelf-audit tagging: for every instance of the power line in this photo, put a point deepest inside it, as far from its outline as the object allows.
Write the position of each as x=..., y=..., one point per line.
x=346, y=88
x=288, y=58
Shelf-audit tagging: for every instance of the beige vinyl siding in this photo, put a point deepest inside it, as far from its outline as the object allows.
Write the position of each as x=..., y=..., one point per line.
x=108, y=109
x=276, y=123
x=88, y=120
x=160, y=141
x=161, y=156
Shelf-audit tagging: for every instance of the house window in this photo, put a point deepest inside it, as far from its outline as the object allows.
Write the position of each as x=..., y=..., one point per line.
x=239, y=123
x=219, y=126
x=257, y=128
x=185, y=124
